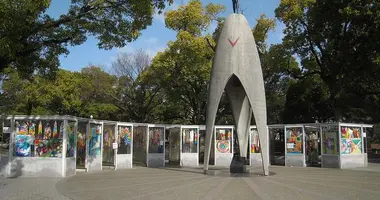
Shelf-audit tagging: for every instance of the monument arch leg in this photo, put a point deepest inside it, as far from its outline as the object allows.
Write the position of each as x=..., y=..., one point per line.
x=241, y=111
x=216, y=90
x=257, y=101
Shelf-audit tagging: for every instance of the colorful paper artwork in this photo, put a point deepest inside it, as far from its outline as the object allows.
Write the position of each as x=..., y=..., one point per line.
x=48, y=148
x=47, y=132
x=156, y=140
x=22, y=129
x=125, y=140
x=95, y=141
x=350, y=132
x=61, y=130
x=81, y=145
x=55, y=130
x=255, y=143
x=156, y=136
x=351, y=146
x=189, y=140
x=223, y=140
x=32, y=129
x=223, y=134
x=125, y=135
x=71, y=141
x=223, y=146
x=38, y=141
x=330, y=142
x=195, y=138
x=351, y=141
x=108, y=139
x=39, y=131
x=23, y=145
x=294, y=140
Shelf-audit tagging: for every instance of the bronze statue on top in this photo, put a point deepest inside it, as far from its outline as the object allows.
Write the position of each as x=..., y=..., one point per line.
x=235, y=5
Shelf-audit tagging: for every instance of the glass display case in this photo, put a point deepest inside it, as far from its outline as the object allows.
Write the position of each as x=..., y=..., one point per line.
x=94, y=153
x=124, y=146
x=156, y=145
x=223, y=145
x=294, y=137
x=190, y=145
x=189, y=140
x=156, y=139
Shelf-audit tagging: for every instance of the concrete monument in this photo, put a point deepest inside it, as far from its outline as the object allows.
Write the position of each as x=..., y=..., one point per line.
x=237, y=71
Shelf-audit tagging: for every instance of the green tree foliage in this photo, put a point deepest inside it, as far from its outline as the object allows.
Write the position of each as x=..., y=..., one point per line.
x=96, y=88
x=32, y=40
x=342, y=39
x=71, y=93
x=184, y=67
x=307, y=101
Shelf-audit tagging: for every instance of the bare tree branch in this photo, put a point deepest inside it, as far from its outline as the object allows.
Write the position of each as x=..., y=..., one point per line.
x=209, y=44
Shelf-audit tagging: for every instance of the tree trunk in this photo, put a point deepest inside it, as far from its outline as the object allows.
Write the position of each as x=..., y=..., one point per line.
x=335, y=102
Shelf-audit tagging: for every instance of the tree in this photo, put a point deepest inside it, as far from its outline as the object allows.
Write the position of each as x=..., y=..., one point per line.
x=137, y=93
x=32, y=40
x=12, y=90
x=96, y=89
x=184, y=67
x=307, y=101
x=71, y=93
x=341, y=39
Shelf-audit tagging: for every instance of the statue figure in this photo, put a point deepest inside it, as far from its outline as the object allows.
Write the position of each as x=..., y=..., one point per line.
x=235, y=6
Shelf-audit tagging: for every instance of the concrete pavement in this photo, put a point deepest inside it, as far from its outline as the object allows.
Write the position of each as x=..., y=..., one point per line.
x=185, y=183
x=189, y=183
x=29, y=189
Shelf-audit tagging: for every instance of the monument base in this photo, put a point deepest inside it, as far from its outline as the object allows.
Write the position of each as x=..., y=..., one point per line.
x=238, y=165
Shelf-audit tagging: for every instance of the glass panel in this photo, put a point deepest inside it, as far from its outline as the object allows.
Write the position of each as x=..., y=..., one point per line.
x=48, y=148
x=312, y=144
x=125, y=140
x=294, y=141
x=95, y=137
x=174, y=145
x=351, y=141
x=189, y=140
x=156, y=140
x=81, y=144
x=277, y=146
x=223, y=140
x=5, y=131
x=139, y=139
x=70, y=140
x=255, y=142
x=38, y=138
x=108, y=140
x=330, y=137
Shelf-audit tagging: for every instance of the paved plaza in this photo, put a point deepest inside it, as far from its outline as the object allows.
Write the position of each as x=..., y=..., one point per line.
x=189, y=183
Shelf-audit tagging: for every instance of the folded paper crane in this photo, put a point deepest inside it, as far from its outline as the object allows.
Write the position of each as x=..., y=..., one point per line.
x=237, y=71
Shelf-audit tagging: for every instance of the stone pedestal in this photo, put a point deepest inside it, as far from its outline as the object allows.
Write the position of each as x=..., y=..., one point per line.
x=238, y=165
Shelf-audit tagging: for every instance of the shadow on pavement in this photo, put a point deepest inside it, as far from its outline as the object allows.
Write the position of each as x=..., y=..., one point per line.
x=218, y=171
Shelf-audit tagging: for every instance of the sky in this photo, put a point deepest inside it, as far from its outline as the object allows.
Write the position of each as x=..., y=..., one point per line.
x=155, y=38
